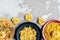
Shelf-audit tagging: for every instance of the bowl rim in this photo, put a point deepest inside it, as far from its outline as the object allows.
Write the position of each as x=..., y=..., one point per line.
x=43, y=29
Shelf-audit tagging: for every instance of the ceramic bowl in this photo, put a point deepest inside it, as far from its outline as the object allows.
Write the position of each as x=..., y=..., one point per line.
x=26, y=24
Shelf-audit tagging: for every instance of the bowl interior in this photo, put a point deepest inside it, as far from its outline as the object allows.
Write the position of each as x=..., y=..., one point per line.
x=43, y=29
x=27, y=24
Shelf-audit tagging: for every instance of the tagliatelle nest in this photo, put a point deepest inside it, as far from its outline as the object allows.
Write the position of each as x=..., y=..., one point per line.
x=6, y=29
x=16, y=20
x=41, y=21
x=28, y=17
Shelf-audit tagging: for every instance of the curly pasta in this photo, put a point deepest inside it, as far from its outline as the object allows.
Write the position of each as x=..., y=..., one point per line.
x=28, y=33
x=52, y=31
x=28, y=17
x=41, y=21
x=6, y=29
x=16, y=20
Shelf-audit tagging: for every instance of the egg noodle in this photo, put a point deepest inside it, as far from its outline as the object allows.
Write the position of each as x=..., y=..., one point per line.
x=28, y=33
x=52, y=31
x=6, y=29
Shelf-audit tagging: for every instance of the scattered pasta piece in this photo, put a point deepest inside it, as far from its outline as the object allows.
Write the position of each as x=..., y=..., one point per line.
x=16, y=20
x=28, y=33
x=41, y=21
x=28, y=17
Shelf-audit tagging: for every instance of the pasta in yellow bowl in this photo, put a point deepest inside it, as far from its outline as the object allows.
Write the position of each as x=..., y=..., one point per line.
x=51, y=30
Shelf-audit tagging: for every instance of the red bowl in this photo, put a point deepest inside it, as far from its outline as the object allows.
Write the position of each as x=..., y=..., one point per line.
x=43, y=29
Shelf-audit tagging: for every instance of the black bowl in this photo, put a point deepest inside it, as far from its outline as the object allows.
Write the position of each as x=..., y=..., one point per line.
x=26, y=24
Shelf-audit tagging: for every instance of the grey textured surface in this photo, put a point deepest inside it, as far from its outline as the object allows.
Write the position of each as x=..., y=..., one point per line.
x=39, y=7
x=42, y=7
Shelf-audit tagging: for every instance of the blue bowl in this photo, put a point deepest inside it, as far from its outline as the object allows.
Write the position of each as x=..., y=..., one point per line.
x=26, y=24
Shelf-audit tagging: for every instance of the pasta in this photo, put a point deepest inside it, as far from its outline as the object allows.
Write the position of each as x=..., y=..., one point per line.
x=6, y=29
x=28, y=33
x=2, y=34
x=16, y=20
x=41, y=21
x=52, y=31
x=28, y=17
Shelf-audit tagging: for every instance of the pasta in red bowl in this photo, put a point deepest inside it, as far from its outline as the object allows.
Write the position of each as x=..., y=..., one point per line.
x=51, y=30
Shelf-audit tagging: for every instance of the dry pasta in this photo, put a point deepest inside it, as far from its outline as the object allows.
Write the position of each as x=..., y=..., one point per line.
x=16, y=20
x=28, y=17
x=28, y=33
x=6, y=29
x=41, y=21
x=52, y=31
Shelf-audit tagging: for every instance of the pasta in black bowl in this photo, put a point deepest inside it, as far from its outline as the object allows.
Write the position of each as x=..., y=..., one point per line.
x=28, y=31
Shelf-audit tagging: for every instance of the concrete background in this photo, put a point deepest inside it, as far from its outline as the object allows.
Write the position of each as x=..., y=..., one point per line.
x=39, y=7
